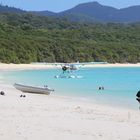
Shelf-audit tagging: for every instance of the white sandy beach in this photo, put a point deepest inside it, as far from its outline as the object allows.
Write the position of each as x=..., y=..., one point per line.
x=38, y=117
x=7, y=67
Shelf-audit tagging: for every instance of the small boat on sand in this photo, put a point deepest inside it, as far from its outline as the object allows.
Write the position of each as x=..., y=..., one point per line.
x=33, y=89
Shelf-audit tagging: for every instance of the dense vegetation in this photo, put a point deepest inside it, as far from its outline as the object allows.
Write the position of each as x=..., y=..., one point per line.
x=26, y=38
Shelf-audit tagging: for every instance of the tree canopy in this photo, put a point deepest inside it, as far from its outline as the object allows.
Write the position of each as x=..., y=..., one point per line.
x=26, y=38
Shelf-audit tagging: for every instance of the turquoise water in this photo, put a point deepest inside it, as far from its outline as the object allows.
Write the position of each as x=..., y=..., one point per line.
x=121, y=84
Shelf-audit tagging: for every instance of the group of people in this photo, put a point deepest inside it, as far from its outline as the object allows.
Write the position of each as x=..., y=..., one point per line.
x=101, y=88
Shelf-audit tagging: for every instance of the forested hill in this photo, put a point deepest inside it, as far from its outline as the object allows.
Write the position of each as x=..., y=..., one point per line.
x=26, y=38
x=89, y=12
x=95, y=12
x=4, y=9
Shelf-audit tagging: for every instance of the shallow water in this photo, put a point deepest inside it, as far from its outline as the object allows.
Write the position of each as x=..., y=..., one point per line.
x=120, y=84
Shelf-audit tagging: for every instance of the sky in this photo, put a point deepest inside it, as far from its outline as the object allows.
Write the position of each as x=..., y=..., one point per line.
x=61, y=5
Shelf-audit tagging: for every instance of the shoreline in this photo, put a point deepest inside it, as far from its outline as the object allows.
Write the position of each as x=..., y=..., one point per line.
x=58, y=117
x=37, y=66
x=54, y=117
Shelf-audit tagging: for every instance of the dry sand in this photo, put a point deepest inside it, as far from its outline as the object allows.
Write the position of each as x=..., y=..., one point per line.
x=39, y=117
x=7, y=67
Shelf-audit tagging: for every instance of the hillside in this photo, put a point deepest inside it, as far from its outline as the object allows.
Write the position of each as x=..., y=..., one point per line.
x=91, y=12
x=44, y=13
x=95, y=12
x=26, y=38
x=4, y=9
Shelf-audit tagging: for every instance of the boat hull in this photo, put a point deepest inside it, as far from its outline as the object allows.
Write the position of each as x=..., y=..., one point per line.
x=31, y=89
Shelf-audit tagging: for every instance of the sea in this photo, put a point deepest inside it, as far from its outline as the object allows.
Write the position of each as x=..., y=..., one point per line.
x=120, y=85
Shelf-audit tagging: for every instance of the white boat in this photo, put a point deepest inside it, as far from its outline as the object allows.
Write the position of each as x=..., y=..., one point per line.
x=32, y=89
